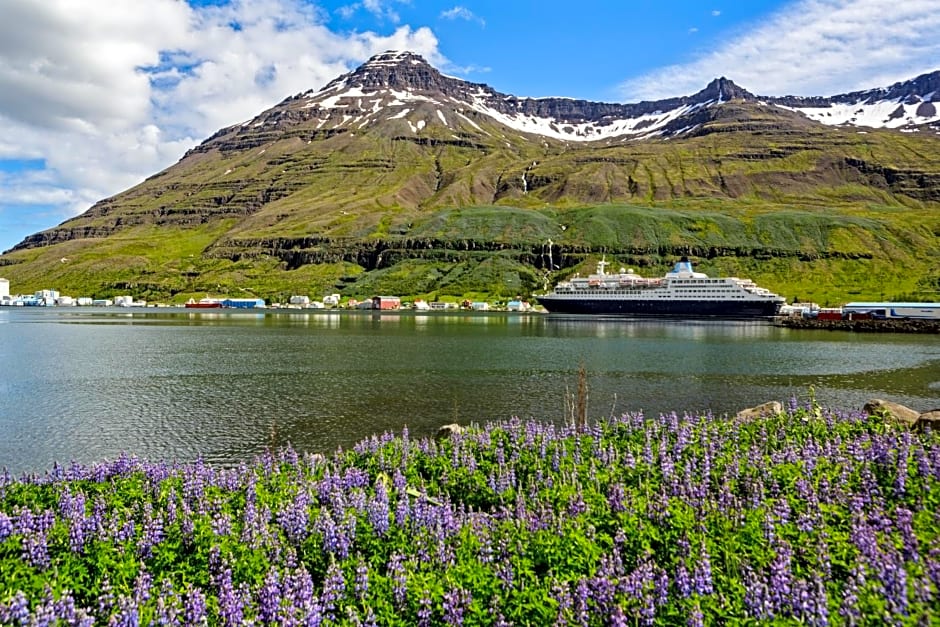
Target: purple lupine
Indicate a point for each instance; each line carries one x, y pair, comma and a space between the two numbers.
105, 598
361, 584
683, 580
167, 606
454, 604
820, 603
576, 504
294, 518
397, 573
142, 585
561, 592
901, 472
580, 603
781, 577
221, 524
702, 574
615, 498
893, 576
17, 611
194, 607
35, 548
932, 565
269, 597
152, 533
6, 526
403, 510
696, 619
378, 509
128, 613
424, 609
299, 599
126, 532
905, 525
603, 585
757, 600
231, 607
334, 590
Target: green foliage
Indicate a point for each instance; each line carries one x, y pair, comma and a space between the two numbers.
787, 518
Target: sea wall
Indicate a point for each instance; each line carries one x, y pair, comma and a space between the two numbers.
893, 325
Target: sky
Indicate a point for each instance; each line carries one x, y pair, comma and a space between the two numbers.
96, 96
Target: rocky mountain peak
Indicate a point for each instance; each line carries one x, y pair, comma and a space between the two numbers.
400, 92
722, 90
400, 71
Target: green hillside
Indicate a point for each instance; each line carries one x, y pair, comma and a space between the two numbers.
811, 212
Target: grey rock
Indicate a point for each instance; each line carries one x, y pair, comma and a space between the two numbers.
929, 419
769, 408
449, 431
891, 411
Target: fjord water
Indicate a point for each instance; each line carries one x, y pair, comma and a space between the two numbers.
91, 384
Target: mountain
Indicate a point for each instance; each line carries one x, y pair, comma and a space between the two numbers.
396, 178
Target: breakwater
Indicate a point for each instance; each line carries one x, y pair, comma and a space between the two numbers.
870, 325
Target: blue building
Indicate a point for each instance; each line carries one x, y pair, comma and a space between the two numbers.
244, 303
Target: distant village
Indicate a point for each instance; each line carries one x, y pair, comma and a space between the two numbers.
798, 311
52, 298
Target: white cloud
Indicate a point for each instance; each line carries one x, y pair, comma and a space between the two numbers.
380, 9
108, 93
812, 48
462, 13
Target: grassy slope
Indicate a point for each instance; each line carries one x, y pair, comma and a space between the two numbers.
774, 204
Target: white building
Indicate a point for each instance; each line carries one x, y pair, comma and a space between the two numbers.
47, 297
4, 287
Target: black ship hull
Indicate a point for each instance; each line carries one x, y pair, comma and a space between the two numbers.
667, 308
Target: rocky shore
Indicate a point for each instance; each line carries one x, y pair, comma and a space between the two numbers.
893, 325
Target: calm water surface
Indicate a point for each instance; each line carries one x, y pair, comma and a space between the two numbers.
88, 384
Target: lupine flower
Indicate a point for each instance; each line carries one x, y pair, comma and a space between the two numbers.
17, 611
424, 611
702, 574
6, 526
269, 598
397, 574
231, 607
686, 477
379, 510
194, 608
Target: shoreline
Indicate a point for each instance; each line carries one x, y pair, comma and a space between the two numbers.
870, 325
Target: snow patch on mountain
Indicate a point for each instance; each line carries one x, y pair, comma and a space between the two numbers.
893, 114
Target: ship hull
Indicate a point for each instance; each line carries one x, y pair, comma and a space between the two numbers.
660, 307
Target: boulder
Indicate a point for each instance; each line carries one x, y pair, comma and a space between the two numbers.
929, 420
449, 431
893, 411
770, 408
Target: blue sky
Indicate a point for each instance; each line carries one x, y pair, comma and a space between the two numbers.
96, 96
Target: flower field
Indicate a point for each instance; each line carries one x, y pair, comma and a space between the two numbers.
806, 517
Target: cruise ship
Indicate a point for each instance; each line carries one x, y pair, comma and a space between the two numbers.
680, 293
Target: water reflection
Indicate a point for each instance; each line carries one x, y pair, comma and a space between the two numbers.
223, 386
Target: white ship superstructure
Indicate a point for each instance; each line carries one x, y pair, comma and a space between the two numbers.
681, 292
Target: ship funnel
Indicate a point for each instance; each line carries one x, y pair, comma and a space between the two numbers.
683, 266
